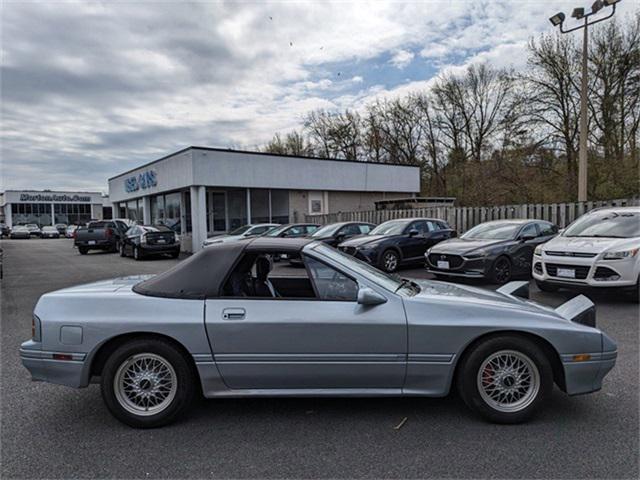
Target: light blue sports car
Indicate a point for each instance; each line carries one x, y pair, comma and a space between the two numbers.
225, 324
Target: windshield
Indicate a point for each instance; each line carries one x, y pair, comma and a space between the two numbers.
327, 230
606, 224
493, 231
277, 231
392, 227
393, 283
239, 231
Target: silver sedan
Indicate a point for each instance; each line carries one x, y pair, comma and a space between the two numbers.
226, 323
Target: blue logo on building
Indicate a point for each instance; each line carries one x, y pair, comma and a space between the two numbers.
143, 180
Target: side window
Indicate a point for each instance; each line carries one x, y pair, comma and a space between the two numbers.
529, 231
293, 231
420, 226
132, 231
433, 226
547, 229
311, 228
349, 230
331, 284
365, 228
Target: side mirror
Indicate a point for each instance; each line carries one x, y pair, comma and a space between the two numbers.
413, 232
367, 296
526, 238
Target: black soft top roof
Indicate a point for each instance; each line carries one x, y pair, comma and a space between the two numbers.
202, 275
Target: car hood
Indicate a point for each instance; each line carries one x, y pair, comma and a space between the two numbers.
463, 295
103, 286
590, 244
365, 240
223, 239
464, 245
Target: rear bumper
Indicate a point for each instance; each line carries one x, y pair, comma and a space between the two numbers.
98, 245
586, 377
44, 367
167, 248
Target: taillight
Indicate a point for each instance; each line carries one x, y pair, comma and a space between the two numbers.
109, 233
36, 329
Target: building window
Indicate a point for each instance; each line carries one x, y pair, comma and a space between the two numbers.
259, 206
280, 206
172, 211
237, 207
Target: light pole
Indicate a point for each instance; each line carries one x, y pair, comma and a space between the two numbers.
558, 20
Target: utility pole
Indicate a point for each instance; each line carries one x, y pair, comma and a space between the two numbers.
558, 19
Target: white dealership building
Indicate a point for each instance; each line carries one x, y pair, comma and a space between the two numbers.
200, 191
48, 207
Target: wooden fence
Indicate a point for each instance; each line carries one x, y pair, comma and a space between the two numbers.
464, 218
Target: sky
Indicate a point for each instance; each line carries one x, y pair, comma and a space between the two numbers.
91, 89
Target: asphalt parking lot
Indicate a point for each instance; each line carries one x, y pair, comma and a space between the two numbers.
52, 431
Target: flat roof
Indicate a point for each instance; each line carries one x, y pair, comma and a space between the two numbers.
251, 152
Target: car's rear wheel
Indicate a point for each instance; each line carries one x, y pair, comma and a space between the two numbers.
501, 270
147, 383
546, 287
175, 254
83, 250
123, 252
505, 379
389, 261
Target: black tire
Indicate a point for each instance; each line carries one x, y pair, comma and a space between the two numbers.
116, 247
123, 253
389, 261
546, 287
137, 254
501, 270
185, 382
634, 294
175, 254
83, 250
471, 364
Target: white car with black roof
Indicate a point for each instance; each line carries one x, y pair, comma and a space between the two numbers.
600, 249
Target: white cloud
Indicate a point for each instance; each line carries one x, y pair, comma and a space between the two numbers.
401, 58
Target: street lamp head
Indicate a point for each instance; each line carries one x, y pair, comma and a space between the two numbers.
578, 13
597, 6
557, 19
608, 3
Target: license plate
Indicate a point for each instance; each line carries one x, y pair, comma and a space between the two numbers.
443, 264
91, 242
284, 256
567, 272
162, 240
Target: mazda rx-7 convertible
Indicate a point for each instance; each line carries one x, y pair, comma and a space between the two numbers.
226, 323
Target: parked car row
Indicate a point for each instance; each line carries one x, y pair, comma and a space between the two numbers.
34, 230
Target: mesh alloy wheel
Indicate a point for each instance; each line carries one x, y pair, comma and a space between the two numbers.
508, 381
145, 384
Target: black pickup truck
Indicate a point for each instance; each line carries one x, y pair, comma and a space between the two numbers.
100, 235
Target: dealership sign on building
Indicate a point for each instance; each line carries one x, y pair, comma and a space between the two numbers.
52, 197
143, 180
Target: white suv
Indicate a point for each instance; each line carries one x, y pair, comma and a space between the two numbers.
600, 249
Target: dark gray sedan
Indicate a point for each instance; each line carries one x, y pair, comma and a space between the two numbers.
497, 251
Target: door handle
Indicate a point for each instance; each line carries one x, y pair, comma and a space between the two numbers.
233, 313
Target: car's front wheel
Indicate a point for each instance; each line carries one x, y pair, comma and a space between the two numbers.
390, 261
505, 379
137, 254
501, 270
147, 383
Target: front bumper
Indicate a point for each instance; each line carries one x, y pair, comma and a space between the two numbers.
586, 377
459, 266
45, 366
589, 272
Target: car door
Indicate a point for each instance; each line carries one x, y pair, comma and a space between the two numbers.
414, 246
329, 341
345, 233
129, 235
526, 242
